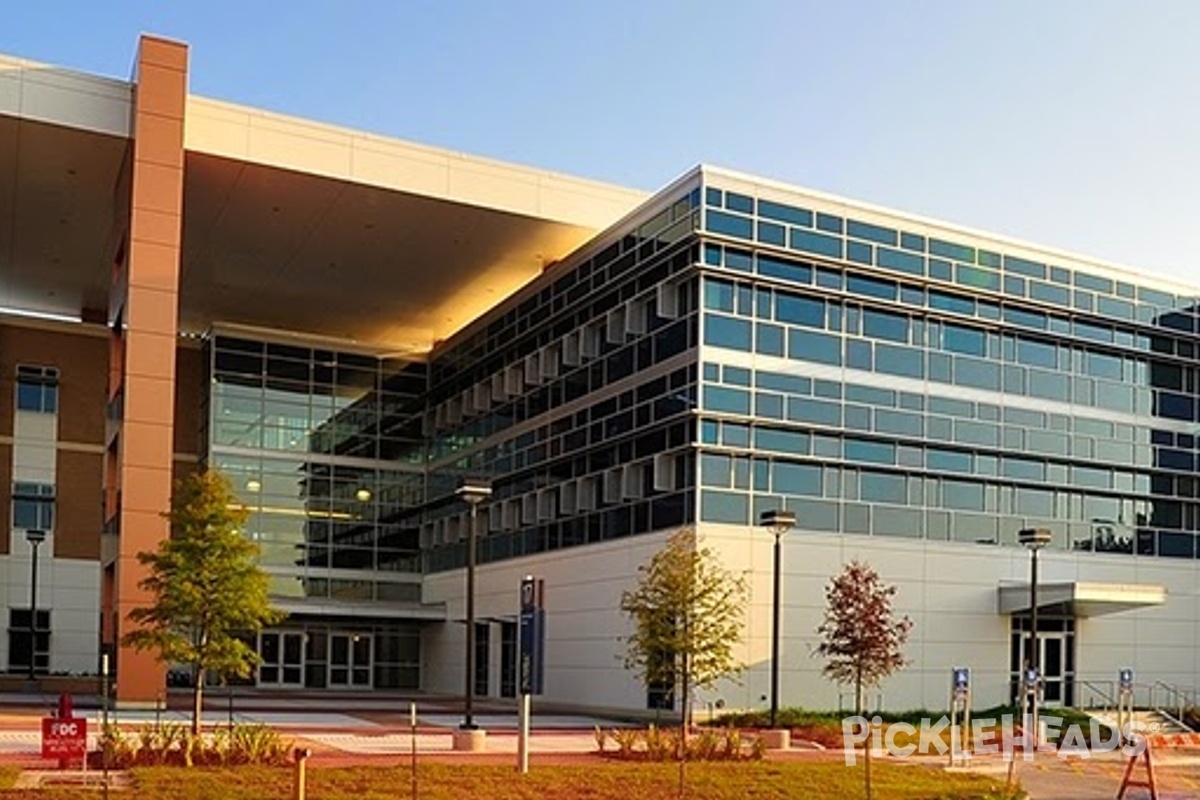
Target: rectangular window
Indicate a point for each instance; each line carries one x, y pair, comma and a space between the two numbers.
37, 389
729, 224
800, 310
24, 643
817, 243
885, 325
33, 506
796, 216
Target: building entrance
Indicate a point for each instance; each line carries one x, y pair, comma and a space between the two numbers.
282, 654
350, 660
1056, 657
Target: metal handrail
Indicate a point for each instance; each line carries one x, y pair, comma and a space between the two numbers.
1180, 696
1102, 688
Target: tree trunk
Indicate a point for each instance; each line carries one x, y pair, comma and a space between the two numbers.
197, 701
686, 722
860, 701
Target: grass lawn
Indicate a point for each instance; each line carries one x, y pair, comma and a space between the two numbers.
603, 781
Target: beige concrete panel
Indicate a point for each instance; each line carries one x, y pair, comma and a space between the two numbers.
323, 156
5, 496
72, 99
146, 445
216, 128
10, 91
157, 187
144, 489
149, 399
485, 185
388, 169
151, 311
154, 266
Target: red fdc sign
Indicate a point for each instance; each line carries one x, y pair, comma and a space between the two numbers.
64, 737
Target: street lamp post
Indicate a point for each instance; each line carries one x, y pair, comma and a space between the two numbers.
34, 537
778, 523
1034, 539
472, 492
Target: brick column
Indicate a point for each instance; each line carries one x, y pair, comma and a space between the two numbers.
145, 310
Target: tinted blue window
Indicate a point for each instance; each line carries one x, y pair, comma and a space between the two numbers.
859, 252
957, 252
1022, 266
1103, 366
1014, 286
796, 479
739, 260
828, 222
989, 259
957, 303
728, 332
947, 460
1049, 293
781, 441
1176, 406
1060, 275
885, 325
718, 295
979, 278
880, 487
870, 451
905, 361
735, 435
739, 202
1112, 307
829, 278
1094, 282
770, 339
731, 401
737, 376
1037, 354
729, 225
784, 270
792, 384
962, 495
820, 412
712, 254
715, 469
859, 354
941, 270
768, 405
819, 347
961, 339
901, 261
975, 373
1088, 330
899, 422
910, 241
873, 233
800, 310
816, 243
1026, 319
725, 507
796, 216
939, 368
871, 287
713, 197
771, 233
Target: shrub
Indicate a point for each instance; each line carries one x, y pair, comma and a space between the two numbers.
662, 744
174, 744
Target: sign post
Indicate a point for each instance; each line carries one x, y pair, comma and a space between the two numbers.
1125, 702
960, 714
531, 672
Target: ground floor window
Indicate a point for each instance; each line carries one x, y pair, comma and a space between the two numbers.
325, 656
508, 659
483, 647
26, 641
1056, 657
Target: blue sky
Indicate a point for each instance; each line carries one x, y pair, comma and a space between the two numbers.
1072, 123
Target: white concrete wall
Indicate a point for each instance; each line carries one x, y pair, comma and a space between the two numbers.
948, 589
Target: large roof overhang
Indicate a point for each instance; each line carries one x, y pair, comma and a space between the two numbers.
288, 224
1078, 599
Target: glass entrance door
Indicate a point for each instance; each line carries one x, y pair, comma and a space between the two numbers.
282, 654
1056, 658
350, 660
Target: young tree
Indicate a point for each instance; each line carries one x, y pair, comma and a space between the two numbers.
860, 640
207, 588
688, 616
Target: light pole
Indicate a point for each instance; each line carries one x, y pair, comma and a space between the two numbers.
1034, 539
778, 523
472, 492
34, 537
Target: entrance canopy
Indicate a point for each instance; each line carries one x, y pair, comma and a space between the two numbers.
1076, 599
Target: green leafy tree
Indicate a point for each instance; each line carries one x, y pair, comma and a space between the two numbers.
207, 589
861, 640
688, 614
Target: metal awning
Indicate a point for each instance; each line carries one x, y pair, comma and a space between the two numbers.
1078, 599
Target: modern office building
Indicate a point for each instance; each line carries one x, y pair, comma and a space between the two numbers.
348, 326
